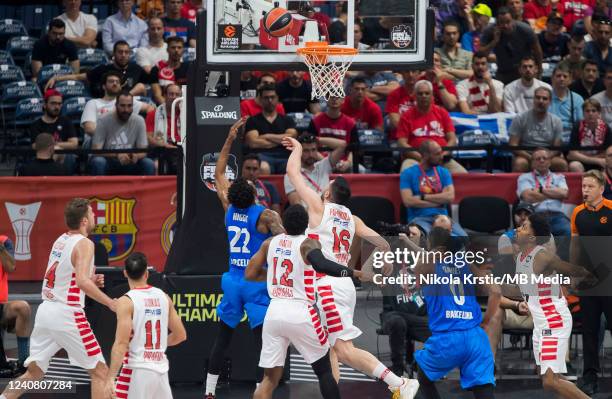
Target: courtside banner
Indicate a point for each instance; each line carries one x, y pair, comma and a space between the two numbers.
132, 214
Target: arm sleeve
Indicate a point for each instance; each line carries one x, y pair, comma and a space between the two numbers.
323, 265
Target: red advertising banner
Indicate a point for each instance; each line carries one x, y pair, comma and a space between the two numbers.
133, 213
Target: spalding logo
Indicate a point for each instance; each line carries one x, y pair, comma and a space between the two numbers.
207, 169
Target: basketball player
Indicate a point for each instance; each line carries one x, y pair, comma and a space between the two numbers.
248, 225
332, 223
552, 320
291, 317
455, 318
144, 316
60, 321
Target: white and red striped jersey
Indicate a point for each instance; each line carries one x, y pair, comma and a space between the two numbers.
59, 284
335, 233
546, 302
289, 277
149, 340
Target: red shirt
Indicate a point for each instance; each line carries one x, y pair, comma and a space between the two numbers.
533, 10
398, 101
189, 11
339, 128
450, 87
368, 116
150, 121
417, 127
573, 10
251, 108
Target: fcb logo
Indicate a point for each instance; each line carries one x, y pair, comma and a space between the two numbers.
401, 36
603, 220
115, 227
207, 169
167, 232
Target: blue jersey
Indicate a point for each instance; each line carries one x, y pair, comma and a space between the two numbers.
451, 306
244, 239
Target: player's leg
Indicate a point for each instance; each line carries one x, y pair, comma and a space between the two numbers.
327, 384
427, 387
257, 332
18, 314
98, 378
215, 361
16, 387
256, 303
494, 329
269, 383
486, 391
551, 381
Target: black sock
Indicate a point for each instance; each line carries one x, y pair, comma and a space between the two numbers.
483, 391
222, 342
427, 387
327, 385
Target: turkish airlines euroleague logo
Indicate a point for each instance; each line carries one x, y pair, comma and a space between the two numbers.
229, 31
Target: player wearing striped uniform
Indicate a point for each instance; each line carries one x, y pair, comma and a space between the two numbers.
552, 320
144, 316
332, 223
60, 321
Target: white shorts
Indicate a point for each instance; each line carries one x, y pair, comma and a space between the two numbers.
336, 301
291, 322
142, 384
58, 326
550, 353
551, 335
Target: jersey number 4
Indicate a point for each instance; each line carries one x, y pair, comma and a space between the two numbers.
149, 334
341, 239
284, 279
50, 276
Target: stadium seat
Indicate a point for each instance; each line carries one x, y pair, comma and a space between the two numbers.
36, 17
372, 210
71, 88
91, 57
146, 100
19, 47
12, 93
302, 120
27, 111
10, 73
10, 28
371, 138
6, 58
48, 71
101, 11
73, 108
7, 12
472, 209
475, 138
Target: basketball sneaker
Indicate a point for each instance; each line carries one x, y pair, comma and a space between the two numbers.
405, 391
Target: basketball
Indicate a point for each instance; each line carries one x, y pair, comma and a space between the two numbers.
278, 22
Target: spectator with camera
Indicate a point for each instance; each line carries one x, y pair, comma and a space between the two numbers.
426, 121
593, 131
427, 188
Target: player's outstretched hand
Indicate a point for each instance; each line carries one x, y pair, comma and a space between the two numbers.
233, 131
109, 389
523, 308
291, 144
98, 279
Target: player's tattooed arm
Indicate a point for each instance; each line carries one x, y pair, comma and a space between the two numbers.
178, 333
294, 172
125, 309
221, 182
82, 258
255, 269
270, 222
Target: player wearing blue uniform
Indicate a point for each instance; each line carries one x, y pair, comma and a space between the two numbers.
248, 225
455, 319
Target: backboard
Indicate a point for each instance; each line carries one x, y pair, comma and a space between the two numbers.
393, 33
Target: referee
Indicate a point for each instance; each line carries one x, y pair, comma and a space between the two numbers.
591, 225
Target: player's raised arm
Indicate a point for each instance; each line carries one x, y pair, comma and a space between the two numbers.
255, 269
313, 201
492, 291
272, 222
221, 182
178, 333
366, 233
546, 261
82, 258
125, 309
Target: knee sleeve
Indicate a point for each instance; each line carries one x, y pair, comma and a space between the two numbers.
222, 342
483, 391
327, 384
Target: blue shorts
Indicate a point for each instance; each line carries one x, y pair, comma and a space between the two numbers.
240, 295
467, 350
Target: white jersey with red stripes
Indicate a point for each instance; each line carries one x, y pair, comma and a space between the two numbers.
335, 233
546, 302
289, 277
148, 344
59, 284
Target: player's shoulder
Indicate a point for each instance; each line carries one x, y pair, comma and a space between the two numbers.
578, 209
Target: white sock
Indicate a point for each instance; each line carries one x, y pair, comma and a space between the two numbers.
211, 384
383, 373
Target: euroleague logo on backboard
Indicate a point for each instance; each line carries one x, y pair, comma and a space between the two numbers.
207, 169
230, 31
401, 36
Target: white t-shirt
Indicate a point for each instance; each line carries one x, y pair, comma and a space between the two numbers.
519, 98
150, 56
97, 107
77, 28
318, 178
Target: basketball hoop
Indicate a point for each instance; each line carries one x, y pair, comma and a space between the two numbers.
327, 66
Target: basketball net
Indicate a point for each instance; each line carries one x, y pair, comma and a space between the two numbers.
327, 66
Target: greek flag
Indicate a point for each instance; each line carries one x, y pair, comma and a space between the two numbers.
498, 123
